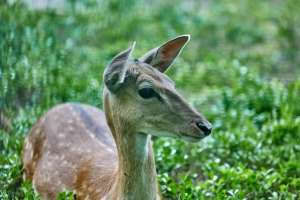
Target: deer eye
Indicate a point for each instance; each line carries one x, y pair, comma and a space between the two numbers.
147, 93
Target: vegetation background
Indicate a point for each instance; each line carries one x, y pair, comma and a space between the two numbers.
241, 69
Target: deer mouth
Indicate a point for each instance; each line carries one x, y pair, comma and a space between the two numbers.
191, 138
195, 132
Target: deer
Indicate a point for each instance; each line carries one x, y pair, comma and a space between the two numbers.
108, 154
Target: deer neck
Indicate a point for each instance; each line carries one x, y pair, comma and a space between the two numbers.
136, 175
136, 178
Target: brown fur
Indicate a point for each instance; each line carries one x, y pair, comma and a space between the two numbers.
70, 157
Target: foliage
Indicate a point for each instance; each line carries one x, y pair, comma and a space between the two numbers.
240, 70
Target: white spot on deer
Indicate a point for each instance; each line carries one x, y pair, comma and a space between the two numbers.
65, 162
73, 149
98, 191
33, 163
75, 178
60, 144
91, 134
27, 143
79, 193
56, 157
61, 135
48, 164
31, 153
38, 131
90, 189
59, 183
70, 128
34, 185
62, 157
48, 178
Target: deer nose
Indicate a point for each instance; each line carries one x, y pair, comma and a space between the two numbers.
206, 129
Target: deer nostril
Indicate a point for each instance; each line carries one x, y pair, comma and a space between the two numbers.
206, 129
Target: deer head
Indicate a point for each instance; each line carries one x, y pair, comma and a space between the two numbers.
139, 95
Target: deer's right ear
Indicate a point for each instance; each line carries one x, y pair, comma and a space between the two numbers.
163, 56
115, 72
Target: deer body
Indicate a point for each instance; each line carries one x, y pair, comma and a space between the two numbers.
108, 155
82, 156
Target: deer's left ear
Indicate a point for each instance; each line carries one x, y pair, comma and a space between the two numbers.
163, 56
115, 72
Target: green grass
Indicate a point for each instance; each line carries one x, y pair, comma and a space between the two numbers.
241, 70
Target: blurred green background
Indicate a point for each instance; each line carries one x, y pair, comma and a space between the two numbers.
241, 69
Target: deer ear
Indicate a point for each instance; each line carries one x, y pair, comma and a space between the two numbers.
115, 71
162, 57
